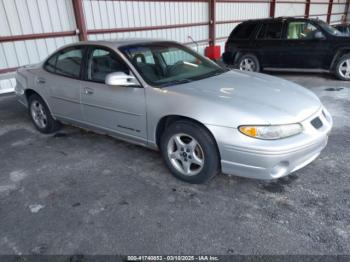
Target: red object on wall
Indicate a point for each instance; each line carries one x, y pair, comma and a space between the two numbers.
212, 52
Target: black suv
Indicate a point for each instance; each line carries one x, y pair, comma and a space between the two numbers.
344, 28
288, 43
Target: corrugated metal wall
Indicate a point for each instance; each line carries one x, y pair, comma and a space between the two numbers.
7, 85
19, 17
317, 9
338, 11
226, 12
290, 9
25, 17
127, 14
175, 20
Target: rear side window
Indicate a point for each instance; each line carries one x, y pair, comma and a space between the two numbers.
270, 31
243, 31
66, 62
69, 62
50, 65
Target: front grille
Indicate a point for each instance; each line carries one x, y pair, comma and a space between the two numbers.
317, 123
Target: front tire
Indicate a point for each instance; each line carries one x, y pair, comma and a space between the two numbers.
342, 68
249, 62
41, 116
190, 152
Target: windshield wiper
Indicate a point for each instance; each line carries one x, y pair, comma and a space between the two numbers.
187, 80
217, 72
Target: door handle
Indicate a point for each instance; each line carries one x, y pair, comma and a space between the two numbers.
40, 80
88, 91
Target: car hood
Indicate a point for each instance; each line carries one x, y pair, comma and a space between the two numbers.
263, 98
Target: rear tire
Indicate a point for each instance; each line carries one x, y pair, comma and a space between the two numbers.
342, 68
248, 62
41, 115
190, 152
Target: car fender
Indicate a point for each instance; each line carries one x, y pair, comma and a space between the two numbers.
163, 102
340, 52
28, 82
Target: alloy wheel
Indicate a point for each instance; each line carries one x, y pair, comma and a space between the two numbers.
247, 64
185, 154
38, 114
344, 69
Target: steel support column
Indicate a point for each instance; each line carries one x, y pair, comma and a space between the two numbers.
329, 12
80, 19
272, 8
307, 9
212, 22
347, 10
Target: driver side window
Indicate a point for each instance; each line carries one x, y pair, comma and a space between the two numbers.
102, 62
301, 30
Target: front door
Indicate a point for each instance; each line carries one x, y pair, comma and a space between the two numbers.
119, 109
303, 48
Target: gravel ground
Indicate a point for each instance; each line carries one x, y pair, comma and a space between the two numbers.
79, 192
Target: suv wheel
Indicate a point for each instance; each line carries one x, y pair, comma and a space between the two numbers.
190, 152
342, 68
41, 116
249, 62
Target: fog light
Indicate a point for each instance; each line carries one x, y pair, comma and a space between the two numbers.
280, 169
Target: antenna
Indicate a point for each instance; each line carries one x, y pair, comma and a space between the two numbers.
191, 38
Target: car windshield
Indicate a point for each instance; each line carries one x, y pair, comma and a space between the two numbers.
166, 63
329, 29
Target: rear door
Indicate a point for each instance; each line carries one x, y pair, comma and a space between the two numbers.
303, 49
62, 78
269, 44
119, 109
239, 39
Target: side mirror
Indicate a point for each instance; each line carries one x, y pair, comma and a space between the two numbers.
121, 79
319, 35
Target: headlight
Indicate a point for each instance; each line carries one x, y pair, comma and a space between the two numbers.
271, 132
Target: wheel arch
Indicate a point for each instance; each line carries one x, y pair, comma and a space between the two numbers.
242, 53
338, 55
167, 120
29, 92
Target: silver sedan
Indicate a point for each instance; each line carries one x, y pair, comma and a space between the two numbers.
204, 119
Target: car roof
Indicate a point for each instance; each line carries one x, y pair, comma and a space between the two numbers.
115, 43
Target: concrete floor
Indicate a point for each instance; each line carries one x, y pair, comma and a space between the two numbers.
79, 192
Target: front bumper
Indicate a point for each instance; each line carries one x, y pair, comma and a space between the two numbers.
271, 159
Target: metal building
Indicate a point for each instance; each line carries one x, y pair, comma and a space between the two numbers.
31, 29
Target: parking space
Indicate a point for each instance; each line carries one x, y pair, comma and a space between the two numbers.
80, 192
